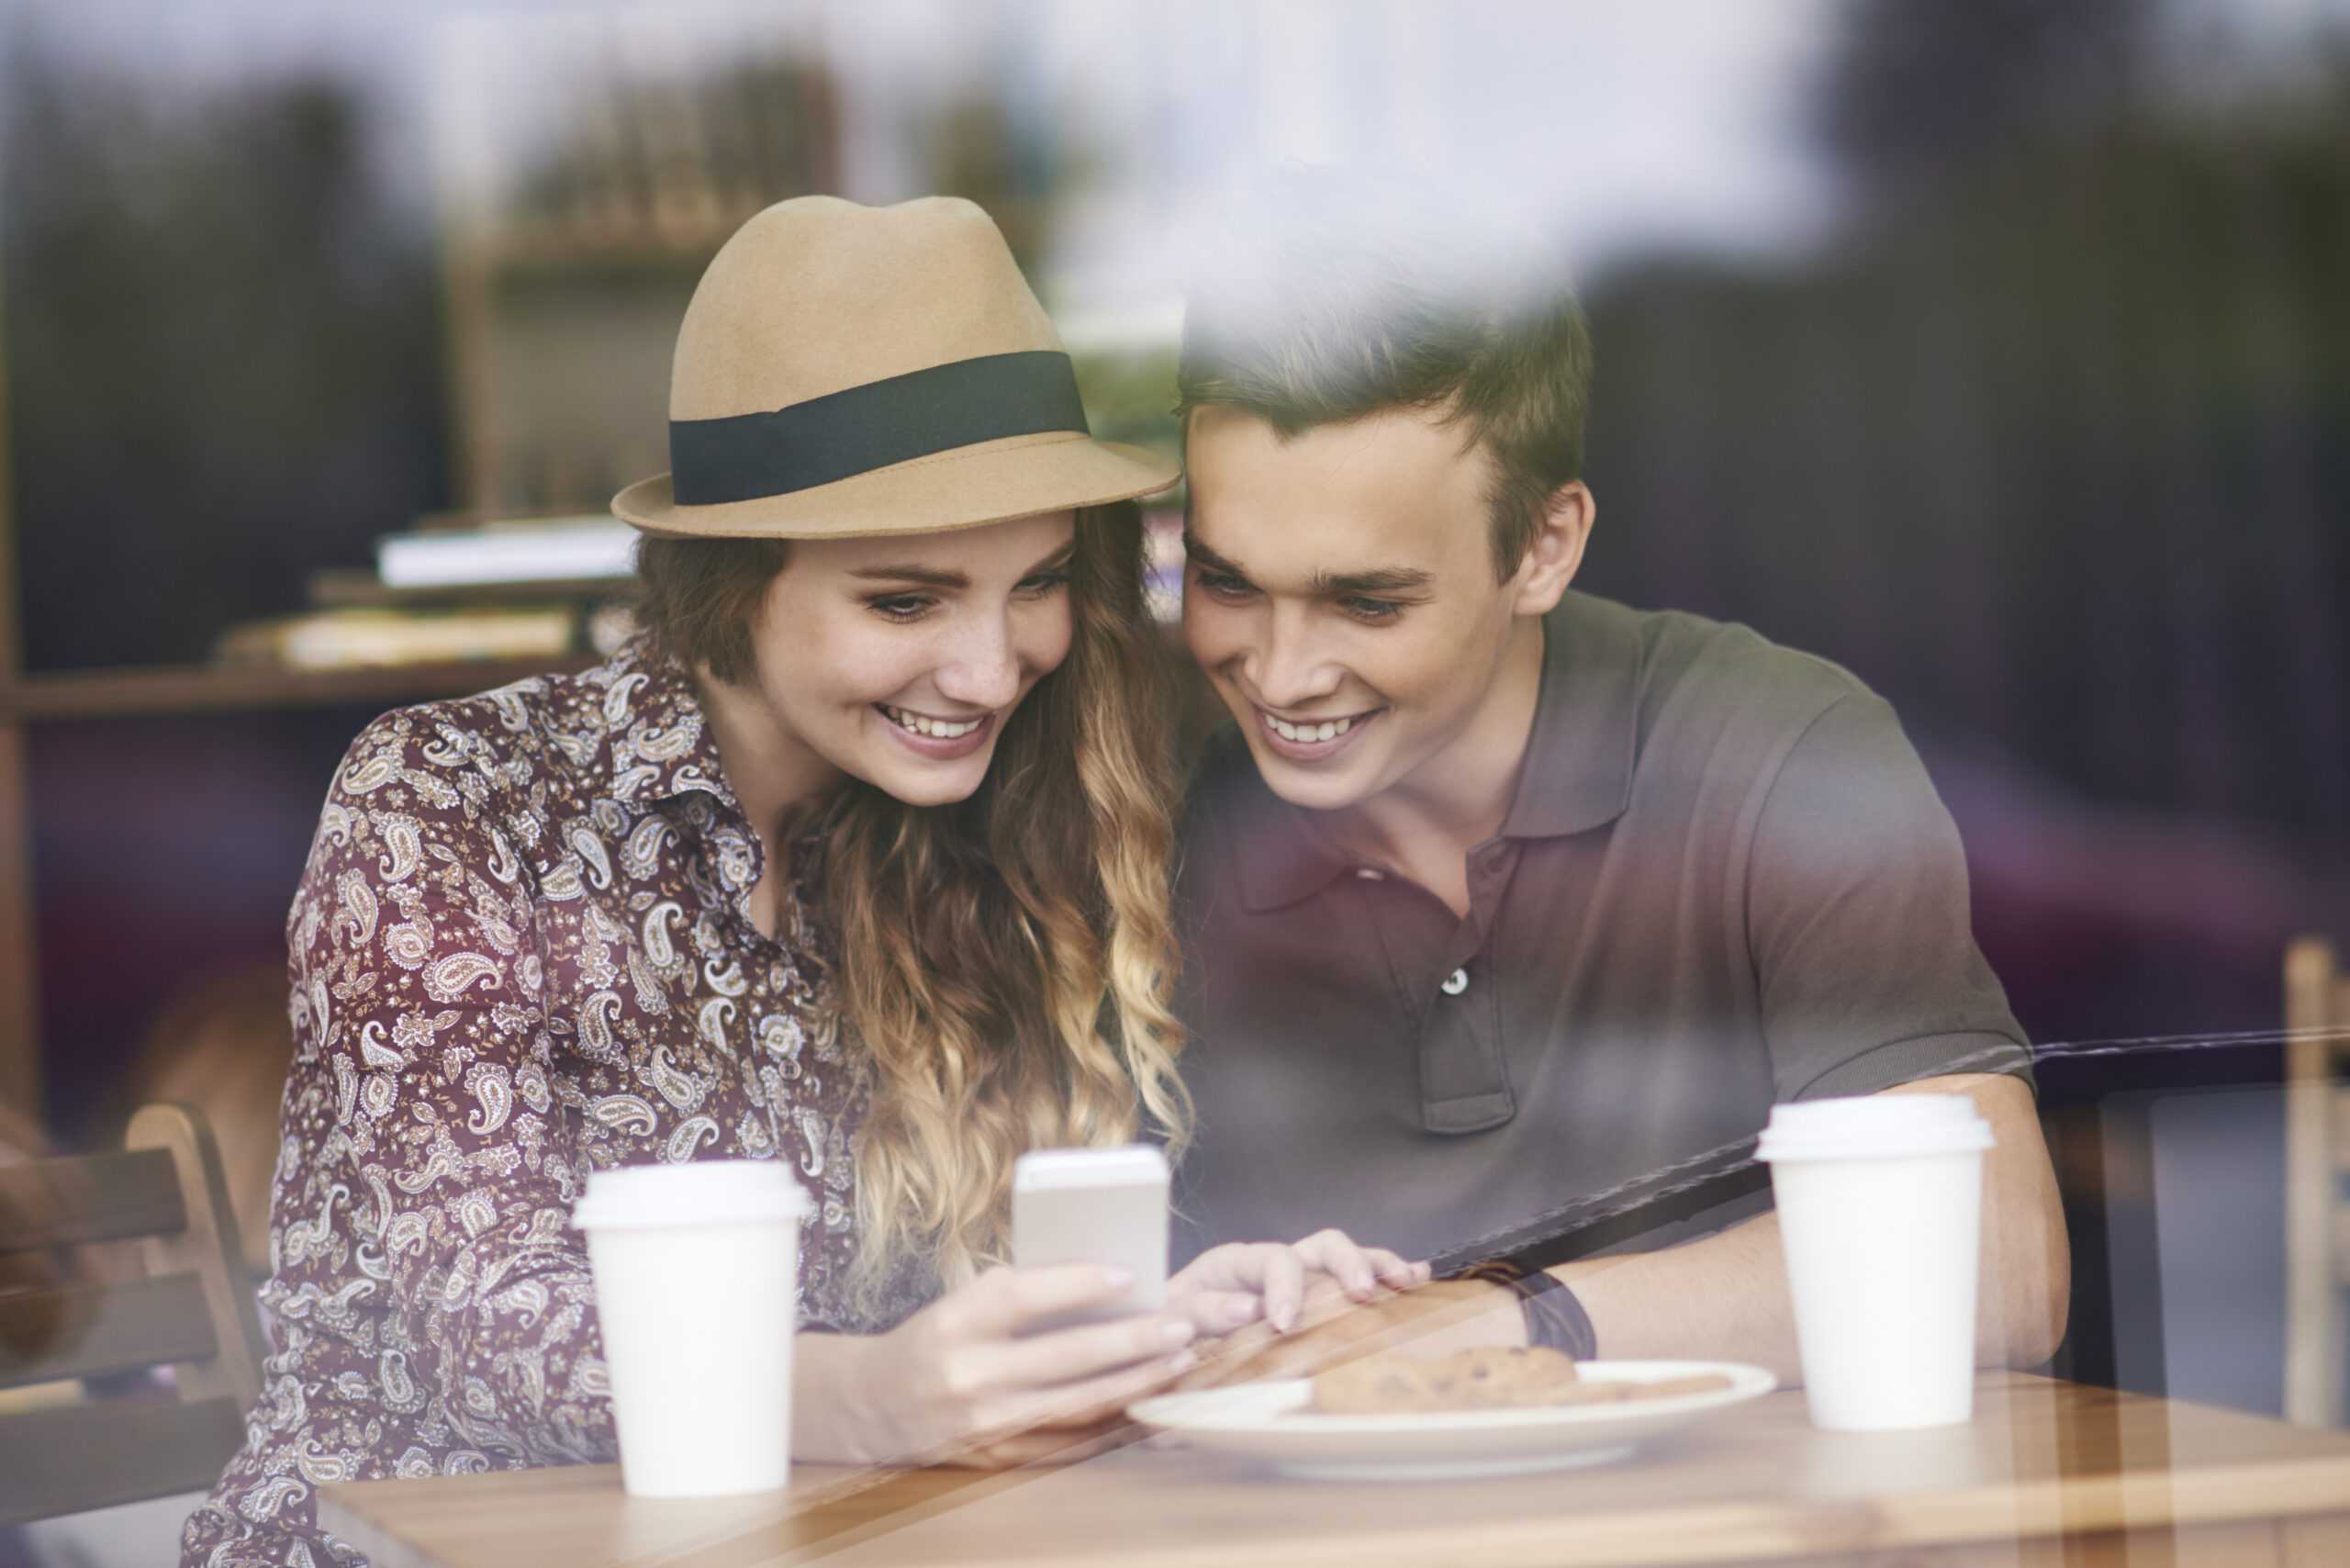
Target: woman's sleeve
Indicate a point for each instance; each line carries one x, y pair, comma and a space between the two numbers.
421, 976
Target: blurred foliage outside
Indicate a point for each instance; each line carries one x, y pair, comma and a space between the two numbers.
2061, 455
223, 359
1131, 396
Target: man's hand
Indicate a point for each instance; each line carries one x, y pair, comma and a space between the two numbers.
1430, 1319
1242, 1283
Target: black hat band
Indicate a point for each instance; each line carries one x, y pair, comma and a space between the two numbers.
843, 434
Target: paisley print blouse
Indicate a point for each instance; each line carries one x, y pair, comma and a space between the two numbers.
519, 953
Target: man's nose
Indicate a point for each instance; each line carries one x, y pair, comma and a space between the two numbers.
980, 667
1289, 669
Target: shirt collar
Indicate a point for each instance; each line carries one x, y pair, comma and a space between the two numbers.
1578, 770
1283, 855
1577, 773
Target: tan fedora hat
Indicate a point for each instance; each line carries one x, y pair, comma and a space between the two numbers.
849, 370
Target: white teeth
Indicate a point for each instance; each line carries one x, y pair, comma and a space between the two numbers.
1328, 730
938, 728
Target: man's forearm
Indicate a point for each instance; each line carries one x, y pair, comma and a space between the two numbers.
1726, 1296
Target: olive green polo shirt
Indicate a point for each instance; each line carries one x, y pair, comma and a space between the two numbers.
1724, 880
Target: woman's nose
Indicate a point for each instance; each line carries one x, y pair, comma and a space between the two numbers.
982, 668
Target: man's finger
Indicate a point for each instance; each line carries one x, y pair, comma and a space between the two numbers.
1235, 1265
1220, 1311
1283, 1288
1335, 1253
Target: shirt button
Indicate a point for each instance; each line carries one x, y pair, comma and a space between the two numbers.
1456, 983
1370, 873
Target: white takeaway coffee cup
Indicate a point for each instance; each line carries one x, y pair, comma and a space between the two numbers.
1880, 1202
696, 1272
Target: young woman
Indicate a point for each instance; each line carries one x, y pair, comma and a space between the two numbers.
856, 859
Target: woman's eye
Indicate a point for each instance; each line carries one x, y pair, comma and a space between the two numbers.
899, 607
1045, 583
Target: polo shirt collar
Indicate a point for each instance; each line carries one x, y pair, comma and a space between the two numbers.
1283, 856
1577, 773
1578, 770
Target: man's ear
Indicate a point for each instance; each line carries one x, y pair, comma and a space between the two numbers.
1557, 553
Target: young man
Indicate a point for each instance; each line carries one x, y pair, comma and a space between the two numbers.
1507, 908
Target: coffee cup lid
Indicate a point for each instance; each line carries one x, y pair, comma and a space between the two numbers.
1875, 1126
699, 1191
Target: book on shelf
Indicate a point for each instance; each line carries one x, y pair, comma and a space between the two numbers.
365, 638
575, 549
458, 589
358, 587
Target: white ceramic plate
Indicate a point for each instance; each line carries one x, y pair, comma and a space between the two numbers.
1267, 1421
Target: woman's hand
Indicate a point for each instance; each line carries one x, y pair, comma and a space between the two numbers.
959, 1382
962, 1381
1247, 1282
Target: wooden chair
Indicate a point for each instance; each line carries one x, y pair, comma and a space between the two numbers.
190, 1306
2317, 1156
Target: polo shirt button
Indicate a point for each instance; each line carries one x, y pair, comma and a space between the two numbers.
1456, 983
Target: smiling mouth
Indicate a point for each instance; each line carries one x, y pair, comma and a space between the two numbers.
1329, 729
1312, 732
935, 729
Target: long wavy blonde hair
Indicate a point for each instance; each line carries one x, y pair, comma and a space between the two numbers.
1008, 959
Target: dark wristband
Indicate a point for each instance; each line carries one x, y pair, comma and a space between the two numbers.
1554, 1318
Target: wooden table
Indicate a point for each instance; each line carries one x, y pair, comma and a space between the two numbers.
2050, 1475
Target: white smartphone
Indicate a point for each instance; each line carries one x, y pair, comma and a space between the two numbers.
1094, 1205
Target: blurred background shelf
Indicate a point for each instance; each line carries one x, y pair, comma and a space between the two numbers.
156, 690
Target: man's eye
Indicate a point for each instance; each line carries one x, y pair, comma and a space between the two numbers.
1221, 584
1371, 609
